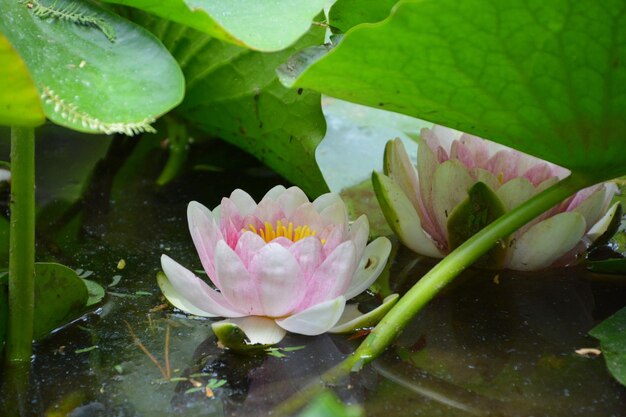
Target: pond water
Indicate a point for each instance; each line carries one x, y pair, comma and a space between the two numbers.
490, 344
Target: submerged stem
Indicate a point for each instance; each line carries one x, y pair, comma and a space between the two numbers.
22, 245
433, 282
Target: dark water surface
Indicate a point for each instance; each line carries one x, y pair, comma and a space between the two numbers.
490, 344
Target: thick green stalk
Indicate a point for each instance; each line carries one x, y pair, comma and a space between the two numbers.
452, 265
430, 284
179, 150
22, 245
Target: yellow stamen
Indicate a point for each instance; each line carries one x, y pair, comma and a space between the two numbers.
270, 232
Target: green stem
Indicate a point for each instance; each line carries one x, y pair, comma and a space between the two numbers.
430, 284
22, 245
452, 265
179, 150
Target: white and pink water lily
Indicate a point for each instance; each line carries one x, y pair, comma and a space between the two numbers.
418, 203
283, 265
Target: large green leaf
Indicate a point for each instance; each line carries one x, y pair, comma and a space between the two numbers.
546, 77
268, 25
612, 336
60, 295
95, 71
234, 93
348, 13
19, 101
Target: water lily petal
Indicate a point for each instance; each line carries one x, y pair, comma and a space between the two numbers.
177, 300
308, 253
274, 193
237, 286
243, 201
450, 185
539, 173
230, 214
515, 192
478, 148
205, 234
603, 224
269, 211
446, 136
402, 217
592, 208
359, 233
278, 278
316, 319
335, 214
332, 277
546, 241
306, 214
400, 169
426, 166
486, 177
326, 200
373, 262
291, 199
248, 245
333, 236
191, 288
258, 330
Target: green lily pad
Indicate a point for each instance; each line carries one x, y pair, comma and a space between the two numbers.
19, 100
481, 207
262, 25
612, 336
544, 77
60, 296
95, 72
230, 336
353, 320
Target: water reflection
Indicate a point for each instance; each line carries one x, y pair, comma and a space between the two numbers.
488, 345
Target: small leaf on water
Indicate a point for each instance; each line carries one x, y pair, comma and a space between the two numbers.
95, 290
115, 280
612, 336
60, 296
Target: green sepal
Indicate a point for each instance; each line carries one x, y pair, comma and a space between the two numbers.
230, 336
350, 323
481, 207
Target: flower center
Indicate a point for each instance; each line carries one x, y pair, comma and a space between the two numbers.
270, 232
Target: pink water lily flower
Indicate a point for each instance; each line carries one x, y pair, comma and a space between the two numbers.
284, 264
419, 202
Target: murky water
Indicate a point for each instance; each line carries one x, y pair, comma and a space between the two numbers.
490, 344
